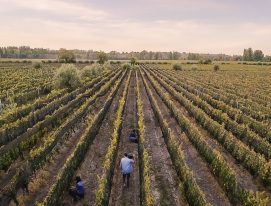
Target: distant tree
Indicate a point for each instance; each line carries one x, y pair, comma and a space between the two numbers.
66, 56
258, 55
67, 76
192, 56
248, 55
102, 57
177, 67
175, 55
133, 61
208, 61
216, 67
267, 58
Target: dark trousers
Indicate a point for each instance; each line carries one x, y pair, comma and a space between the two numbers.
76, 196
126, 177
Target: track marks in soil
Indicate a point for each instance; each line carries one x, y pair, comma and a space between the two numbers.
122, 195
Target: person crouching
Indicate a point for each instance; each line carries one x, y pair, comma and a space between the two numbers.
78, 191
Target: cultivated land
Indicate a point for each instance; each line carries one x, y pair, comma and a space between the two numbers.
204, 136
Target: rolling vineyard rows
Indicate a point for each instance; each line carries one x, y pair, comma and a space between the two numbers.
201, 141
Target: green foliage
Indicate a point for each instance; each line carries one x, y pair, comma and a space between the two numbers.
102, 57
126, 66
177, 67
189, 186
37, 65
105, 180
258, 55
133, 61
67, 76
216, 67
92, 71
220, 167
148, 199
66, 56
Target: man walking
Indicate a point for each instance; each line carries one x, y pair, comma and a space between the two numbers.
126, 167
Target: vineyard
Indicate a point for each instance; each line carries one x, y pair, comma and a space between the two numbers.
204, 136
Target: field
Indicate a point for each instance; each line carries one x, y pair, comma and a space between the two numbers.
204, 136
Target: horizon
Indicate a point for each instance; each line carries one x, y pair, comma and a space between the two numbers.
208, 27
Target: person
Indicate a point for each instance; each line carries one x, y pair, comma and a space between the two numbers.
78, 191
126, 167
133, 136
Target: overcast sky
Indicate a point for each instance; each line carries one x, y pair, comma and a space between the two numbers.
207, 26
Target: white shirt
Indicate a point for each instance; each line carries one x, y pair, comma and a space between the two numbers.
126, 165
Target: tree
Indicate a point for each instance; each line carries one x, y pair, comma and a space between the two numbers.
66, 56
67, 77
177, 67
216, 68
89, 72
102, 57
126, 66
258, 55
248, 54
133, 61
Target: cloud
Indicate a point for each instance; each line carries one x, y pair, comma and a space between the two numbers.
195, 26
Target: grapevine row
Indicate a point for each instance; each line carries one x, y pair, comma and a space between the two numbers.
104, 182
10, 131
147, 196
189, 186
40, 155
254, 162
74, 160
235, 114
220, 168
241, 131
11, 151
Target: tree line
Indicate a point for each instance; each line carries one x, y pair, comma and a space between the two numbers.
257, 55
26, 52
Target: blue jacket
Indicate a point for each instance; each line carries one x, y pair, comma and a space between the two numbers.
80, 187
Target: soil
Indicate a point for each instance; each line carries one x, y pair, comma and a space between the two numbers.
5, 177
197, 165
244, 178
91, 167
120, 194
44, 178
164, 179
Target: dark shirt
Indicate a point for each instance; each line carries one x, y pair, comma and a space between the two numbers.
132, 137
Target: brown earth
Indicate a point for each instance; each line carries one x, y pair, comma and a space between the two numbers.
91, 167
197, 165
164, 180
44, 178
121, 195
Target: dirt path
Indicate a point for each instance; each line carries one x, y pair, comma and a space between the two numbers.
200, 169
244, 178
45, 177
92, 164
164, 180
120, 195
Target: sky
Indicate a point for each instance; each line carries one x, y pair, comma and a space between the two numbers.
203, 26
